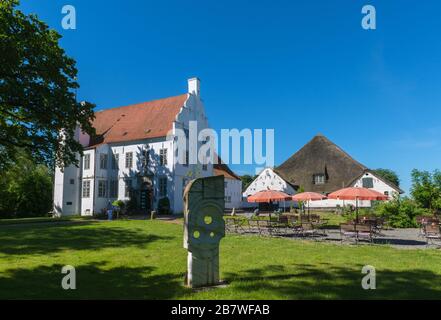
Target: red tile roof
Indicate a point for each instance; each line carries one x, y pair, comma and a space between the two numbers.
151, 119
221, 169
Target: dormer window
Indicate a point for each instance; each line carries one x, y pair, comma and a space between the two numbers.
319, 178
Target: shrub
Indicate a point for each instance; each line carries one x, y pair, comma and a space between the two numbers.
164, 206
400, 213
25, 189
131, 205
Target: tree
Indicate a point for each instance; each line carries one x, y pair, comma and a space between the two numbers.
37, 92
25, 188
389, 175
246, 181
426, 189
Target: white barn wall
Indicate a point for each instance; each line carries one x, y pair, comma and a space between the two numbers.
267, 180
233, 190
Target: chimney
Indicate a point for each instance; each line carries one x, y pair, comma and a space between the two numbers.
194, 86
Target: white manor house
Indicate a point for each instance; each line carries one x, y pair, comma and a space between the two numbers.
132, 155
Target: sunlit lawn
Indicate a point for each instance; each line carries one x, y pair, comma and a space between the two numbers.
145, 260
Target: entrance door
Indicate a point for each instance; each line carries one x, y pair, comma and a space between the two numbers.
146, 200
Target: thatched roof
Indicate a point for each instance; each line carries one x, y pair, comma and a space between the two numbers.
321, 156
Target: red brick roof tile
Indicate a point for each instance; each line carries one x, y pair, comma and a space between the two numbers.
151, 119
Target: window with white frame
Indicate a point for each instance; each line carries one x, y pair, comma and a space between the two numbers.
87, 161
103, 161
162, 186
319, 178
128, 187
86, 189
113, 192
187, 158
163, 157
129, 159
102, 188
115, 161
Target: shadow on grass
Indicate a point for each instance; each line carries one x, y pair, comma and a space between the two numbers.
93, 281
46, 239
328, 282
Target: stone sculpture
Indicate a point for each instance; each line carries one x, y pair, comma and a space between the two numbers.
204, 227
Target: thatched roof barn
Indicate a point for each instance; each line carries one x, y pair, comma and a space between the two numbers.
321, 166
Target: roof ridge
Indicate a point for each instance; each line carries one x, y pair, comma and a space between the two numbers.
142, 103
343, 151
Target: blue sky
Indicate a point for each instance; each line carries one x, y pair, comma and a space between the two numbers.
300, 67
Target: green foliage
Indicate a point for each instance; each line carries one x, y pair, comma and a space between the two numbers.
426, 189
400, 212
131, 205
32, 255
37, 92
246, 181
164, 206
388, 175
119, 203
25, 189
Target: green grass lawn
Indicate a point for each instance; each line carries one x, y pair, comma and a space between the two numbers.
145, 260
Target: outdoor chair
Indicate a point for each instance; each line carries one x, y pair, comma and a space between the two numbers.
432, 232
271, 227
230, 225
238, 225
309, 229
347, 230
254, 226
364, 231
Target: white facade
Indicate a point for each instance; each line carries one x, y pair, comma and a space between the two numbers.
267, 180
233, 193
105, 172
367, 180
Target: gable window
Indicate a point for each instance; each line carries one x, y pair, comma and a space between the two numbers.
386, 193
86, 189
86, 161
368, 182
115, 161
102, 188
113, 189
163, 187
103, 161
129, 159
163, 157
319, 178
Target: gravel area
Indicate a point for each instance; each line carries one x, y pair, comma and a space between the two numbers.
398, 238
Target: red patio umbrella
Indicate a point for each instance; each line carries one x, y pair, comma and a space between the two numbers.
308, 196
268, 196
354, 193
